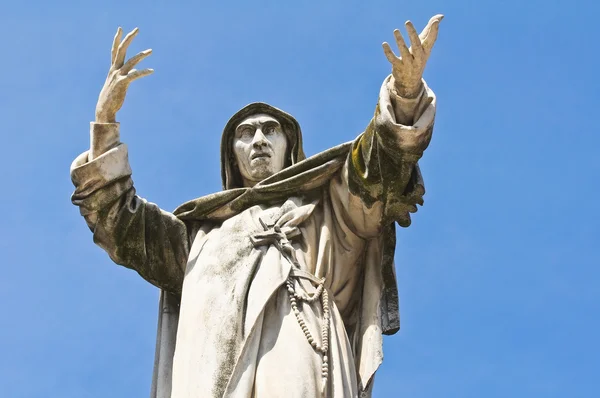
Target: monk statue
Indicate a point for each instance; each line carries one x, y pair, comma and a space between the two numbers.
283, 283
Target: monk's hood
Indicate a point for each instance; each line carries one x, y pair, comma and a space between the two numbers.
230, 174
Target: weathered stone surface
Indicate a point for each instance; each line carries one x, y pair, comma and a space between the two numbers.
283, 283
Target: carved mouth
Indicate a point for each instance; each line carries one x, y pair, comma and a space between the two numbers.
261, 155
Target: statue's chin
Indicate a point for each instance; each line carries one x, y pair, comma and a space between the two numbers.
261, 171
260, 168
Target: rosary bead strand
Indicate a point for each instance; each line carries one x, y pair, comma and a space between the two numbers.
322, 348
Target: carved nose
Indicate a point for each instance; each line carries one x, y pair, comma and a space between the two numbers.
259, 139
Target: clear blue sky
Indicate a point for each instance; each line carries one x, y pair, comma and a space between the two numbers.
499, 274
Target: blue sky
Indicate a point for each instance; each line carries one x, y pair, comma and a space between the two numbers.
499, 273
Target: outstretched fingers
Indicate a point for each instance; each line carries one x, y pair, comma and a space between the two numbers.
430, 33
389, 54
415, 42
135, 74
404, 52
133, 61
122, 49
115, 45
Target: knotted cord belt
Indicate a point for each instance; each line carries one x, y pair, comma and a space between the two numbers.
280, 239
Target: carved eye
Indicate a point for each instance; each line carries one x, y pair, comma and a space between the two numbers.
246, 132
271, 130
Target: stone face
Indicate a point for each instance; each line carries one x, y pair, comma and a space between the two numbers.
259, 146
283, 283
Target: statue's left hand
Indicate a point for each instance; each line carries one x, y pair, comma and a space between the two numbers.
407, 69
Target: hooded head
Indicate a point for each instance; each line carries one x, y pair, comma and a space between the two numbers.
230, 170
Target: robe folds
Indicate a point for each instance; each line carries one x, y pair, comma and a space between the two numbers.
226, 327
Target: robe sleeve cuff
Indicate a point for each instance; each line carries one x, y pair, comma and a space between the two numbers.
405, 109
102, 180
409, 139
103, 137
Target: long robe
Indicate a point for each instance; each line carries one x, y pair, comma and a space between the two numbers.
226, 326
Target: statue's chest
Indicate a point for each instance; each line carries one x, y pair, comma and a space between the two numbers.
232, 247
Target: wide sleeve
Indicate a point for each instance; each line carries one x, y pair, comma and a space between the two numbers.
381, 181
134, 232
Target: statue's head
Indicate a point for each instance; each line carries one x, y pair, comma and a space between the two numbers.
258, 141
259, 148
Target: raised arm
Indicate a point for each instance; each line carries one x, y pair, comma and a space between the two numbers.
381, 176
135, 233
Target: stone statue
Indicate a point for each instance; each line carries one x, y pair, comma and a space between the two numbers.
282, 284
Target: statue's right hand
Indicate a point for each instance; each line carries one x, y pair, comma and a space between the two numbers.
120, 75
